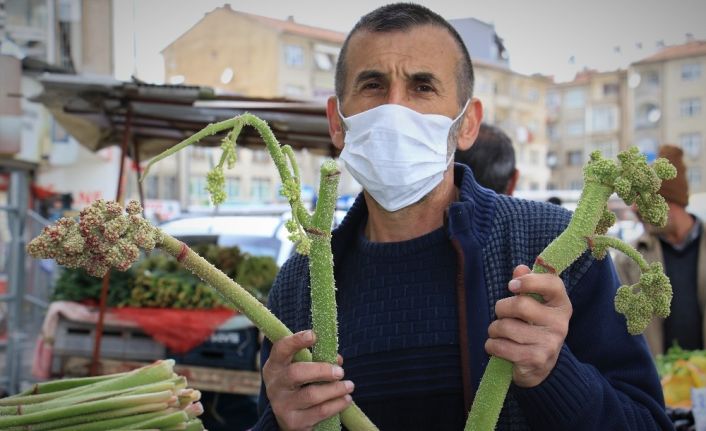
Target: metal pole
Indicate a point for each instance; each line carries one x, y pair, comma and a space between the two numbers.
95, 360
19, 188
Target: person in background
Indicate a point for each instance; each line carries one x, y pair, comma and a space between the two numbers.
681, 247
432, 269
555, 200
492, 160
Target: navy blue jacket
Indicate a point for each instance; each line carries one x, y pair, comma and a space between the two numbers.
604, 378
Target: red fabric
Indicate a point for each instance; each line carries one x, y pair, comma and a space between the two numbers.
179, 330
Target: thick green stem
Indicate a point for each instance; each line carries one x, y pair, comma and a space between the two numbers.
144, 411
231, 291
555, 258
85, 408
323, 291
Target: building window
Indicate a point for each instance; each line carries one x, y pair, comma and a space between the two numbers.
648, 115
652, 78
295, 91
575, 128
260, 156
553, 99
691, 71
693, 176
293, 55
605, 119
553, 132
576, 185
690, 107
691, 144
151, 187
198, 195
260, 189
169, 187
574, 158
552, 160
609, 148
324, 61
611, 89
232, 190
533, 95
575, 98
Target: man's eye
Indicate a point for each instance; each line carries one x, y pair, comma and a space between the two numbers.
424, 88
372, 86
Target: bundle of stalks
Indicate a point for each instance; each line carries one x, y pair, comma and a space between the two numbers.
149, 398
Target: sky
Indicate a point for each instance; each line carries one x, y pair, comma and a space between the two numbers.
541, 36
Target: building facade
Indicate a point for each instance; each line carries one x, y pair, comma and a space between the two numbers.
667, 98
584, 115
516, 104
252, 55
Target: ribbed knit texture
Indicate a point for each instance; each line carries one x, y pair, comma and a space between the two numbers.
604, 378
398, 315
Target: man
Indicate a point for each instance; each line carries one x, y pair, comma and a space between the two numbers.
492, 160
422, 264
681, 247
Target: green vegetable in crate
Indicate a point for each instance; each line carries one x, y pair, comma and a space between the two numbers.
258, 273
105, 238
74, 284
151, 397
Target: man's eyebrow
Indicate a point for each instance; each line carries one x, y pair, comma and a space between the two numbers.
368, 74
427, 77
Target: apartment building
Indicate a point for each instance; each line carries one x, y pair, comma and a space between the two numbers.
584, 115
253, 55
667, 97
516, 104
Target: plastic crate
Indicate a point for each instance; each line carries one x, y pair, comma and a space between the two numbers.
74, 338
225, 348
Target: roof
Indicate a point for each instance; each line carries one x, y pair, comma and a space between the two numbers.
694, 48
285, 26
96, 109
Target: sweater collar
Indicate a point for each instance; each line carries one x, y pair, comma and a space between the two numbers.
472, 212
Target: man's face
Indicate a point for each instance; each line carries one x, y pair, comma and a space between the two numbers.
416, 68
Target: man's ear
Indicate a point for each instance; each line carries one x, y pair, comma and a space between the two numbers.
471, 124
335, 128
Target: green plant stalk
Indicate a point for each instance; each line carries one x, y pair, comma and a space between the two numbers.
633, 180
61, 385
317, 229
558, 255
194, 425
95, 417
323, 293
85, 408
166, 421
153, 373
122, 422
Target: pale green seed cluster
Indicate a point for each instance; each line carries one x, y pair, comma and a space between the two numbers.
216, 185
639, 183
298, 236
103, 238
651, 296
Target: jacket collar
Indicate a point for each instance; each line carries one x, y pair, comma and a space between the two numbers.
472, 212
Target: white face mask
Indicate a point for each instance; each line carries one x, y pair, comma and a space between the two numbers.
397, 154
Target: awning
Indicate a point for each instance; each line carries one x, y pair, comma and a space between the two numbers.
95, 110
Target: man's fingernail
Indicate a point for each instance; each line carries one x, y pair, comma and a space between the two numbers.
348, 398
337, 372
308, 336
349, 385
514, 285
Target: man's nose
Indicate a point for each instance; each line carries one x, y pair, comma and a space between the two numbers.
396, 94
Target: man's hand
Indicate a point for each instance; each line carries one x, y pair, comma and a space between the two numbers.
303, 394
528, 333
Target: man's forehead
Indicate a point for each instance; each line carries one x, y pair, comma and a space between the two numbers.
419, 49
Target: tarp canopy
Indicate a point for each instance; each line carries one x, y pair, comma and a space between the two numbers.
95, 110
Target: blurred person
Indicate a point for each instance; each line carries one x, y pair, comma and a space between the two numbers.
431, 268
492, 160
681, 247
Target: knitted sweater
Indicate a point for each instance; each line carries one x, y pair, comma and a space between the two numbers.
604, 378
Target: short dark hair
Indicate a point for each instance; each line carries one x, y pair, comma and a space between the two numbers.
491, 158
401, 17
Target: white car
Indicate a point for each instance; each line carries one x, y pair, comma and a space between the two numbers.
258, 235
